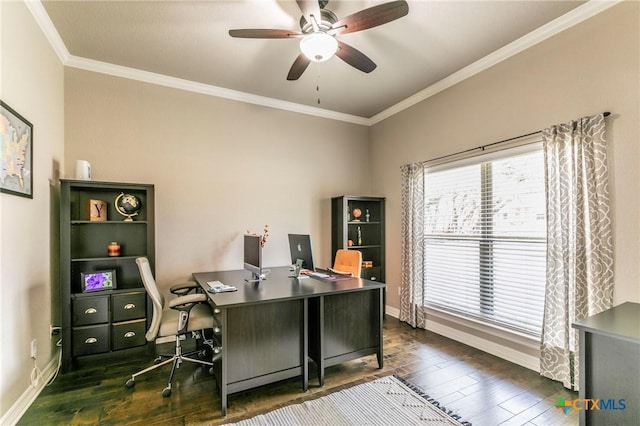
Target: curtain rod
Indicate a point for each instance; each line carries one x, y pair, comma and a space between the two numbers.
482, 147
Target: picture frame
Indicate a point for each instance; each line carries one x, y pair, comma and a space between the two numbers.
16, 139
98, 280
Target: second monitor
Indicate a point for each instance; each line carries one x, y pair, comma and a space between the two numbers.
300, 248
253, 257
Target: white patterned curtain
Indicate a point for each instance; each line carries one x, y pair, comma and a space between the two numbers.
579, 240
412, 282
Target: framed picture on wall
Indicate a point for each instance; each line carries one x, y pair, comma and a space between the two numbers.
16, 153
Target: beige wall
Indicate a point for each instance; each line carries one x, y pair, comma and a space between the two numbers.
31, 82
220, 167
590, 68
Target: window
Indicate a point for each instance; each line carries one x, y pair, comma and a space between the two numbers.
485, 238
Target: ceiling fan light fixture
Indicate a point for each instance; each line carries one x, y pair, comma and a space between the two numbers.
318, 46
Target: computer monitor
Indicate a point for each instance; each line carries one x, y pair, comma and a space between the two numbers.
300, 248
253, 257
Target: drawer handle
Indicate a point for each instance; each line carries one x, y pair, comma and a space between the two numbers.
89, 311
91, 340
129, 306
129, 334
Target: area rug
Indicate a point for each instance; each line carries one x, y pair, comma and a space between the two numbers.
385, 401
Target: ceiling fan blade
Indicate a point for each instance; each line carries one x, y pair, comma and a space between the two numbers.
355, 58
308, 8
372, 17
299, 66
264, 33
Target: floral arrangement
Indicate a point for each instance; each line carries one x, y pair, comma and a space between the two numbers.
265, 234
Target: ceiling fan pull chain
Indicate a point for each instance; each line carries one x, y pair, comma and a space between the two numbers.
318, 81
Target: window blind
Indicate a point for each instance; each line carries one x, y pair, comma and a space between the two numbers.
485, 239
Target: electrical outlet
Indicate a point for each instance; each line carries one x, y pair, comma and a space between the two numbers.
34, 348
53, 331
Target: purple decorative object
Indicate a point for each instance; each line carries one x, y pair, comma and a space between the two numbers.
99, 280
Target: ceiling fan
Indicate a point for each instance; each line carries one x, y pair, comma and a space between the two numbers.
319, 28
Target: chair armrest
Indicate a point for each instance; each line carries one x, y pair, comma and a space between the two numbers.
186, 302
184, 288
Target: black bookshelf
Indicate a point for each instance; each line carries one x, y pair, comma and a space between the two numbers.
109, 320
364, 233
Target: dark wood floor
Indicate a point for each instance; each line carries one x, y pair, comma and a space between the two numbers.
483, 389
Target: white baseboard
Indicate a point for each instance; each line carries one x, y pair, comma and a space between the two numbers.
391, 311
501, 351
509, 354
17, 410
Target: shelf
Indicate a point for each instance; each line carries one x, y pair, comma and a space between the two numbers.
84, 249
345, 229
107, 292
108, 222
100, 259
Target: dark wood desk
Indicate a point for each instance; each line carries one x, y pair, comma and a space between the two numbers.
267, 332
610, 365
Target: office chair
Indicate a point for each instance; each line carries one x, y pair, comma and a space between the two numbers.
189, 313
348, 261
185, 288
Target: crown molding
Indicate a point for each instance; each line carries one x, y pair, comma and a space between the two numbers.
568, 20
206, 89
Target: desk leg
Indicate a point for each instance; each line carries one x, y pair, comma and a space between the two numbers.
380, 319
304, 349
224, 361
321, 340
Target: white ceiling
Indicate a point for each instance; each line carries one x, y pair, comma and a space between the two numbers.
189, 41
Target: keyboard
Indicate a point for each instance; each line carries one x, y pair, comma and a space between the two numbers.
318, 275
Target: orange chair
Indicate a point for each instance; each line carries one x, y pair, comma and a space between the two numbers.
348, 261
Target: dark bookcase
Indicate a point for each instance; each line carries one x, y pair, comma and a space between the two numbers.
364, 233
109, 320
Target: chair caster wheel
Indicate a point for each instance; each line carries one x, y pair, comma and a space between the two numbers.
129, 383
166, 392
211, 371
158, 360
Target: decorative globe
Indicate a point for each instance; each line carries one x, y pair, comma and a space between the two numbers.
357, 213
128, 206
